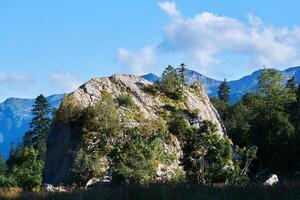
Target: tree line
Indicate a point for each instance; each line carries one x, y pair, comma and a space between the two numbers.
269, 119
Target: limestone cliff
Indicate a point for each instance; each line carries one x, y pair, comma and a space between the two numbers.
61, 142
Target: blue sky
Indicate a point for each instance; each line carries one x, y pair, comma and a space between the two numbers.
53, 46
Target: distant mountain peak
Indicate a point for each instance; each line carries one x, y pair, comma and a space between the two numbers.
15, 114
150, 77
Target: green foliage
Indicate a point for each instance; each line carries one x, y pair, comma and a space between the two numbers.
170, 83
224, 92
137, 159
221, 106
39, 125
152, 89
69, 110
26, 168
291, 107
182, 77
292, 85
263, 120
242, 159
3, 166
7, 181
179, 125
86, 166
100, 123
125, 100
206, 155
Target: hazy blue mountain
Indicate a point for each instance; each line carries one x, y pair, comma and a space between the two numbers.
238, 87
15, 114
151, 77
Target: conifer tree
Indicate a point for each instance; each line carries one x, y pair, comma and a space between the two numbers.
291, 84
224, 91
39, 125
3, 166
170, 83
182, 71
291, 107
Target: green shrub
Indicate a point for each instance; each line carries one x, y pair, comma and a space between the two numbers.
137, 160
27, 169
179, 125
7, 181
69, 110
152, 89
125, 100
207, 155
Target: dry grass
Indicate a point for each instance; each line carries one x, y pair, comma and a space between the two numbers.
10, 193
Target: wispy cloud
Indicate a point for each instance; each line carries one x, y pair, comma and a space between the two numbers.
14, 78
206, 36
139, 62
64, 81
210, 42
169, 8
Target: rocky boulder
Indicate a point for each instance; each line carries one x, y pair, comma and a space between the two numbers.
62, 143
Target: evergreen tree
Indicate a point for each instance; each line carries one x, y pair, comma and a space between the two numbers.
291, 84
3, 166
170, 83
39, 125
224, 91
182, 71
11, 149
292, 106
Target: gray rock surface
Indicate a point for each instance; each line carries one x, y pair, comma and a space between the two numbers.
62, 141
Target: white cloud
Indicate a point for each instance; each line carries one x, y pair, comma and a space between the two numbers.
169, 8
14, 83
14, 78
64, 81
140, 62
218, 45
204, 38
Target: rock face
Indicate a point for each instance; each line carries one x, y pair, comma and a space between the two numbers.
61, 143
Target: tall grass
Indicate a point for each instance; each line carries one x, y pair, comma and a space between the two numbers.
289, 191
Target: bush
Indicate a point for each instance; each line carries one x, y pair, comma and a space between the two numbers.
207, 155
125, 100
84, 165
7, 182
27, 169
179, 125
69, 110
137, 160
100, 124
151, 89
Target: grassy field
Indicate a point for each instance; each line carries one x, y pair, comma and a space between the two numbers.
165, 192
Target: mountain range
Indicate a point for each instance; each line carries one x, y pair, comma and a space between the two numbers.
15, 113
238, 87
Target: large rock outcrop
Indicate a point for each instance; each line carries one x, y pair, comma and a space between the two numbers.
62, 143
